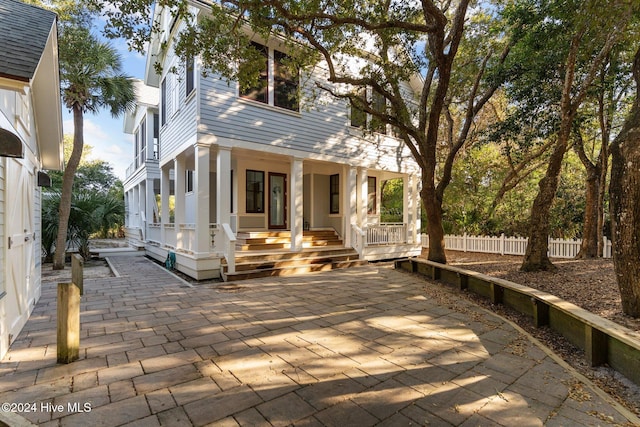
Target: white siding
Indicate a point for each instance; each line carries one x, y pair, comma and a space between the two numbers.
181, 122
322, 129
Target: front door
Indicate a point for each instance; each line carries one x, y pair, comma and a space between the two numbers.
277, 200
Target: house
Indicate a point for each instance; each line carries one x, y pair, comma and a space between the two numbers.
30, 142
257, 181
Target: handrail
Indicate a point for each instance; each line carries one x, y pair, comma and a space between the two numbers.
359, 240
229, 248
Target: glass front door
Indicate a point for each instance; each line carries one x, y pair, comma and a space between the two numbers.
277, 200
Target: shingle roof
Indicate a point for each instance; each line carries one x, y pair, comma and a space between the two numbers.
24, 30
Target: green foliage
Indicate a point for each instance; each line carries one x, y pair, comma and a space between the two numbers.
392, 200
97, 205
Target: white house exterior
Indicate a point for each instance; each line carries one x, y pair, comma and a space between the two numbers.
235, 164
30, 119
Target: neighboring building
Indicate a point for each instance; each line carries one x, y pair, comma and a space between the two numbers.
256, 171
142, 181
30, 141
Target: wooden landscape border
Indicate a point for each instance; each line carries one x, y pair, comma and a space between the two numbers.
603, 341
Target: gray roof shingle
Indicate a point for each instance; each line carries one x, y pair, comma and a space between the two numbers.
24, 30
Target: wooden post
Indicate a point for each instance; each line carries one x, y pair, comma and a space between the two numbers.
595, 346
68, 343
77, 275
540, 313
495, 293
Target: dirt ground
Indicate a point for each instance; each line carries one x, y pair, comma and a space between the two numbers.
589, 284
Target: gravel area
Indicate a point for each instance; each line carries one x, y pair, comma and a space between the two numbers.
589, 284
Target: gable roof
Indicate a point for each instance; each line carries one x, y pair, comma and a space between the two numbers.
24, 35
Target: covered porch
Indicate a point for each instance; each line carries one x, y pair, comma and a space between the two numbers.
213, 198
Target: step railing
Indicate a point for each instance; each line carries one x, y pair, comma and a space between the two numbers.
229, 247
358, 239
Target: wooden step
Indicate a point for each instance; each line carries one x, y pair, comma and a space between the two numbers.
292, 262
293, 270
322, 252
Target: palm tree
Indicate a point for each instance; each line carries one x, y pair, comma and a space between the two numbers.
90, 72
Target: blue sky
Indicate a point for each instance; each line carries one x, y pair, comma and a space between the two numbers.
103, 132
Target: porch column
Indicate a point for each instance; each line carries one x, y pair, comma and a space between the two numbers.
363, 187
351, 205
179, 191
223, 185
296, 207
151, 200
201, 188
165, 189
136, 204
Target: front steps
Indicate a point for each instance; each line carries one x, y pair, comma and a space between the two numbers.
276, 240
265, 254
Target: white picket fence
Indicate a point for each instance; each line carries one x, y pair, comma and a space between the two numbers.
558, 248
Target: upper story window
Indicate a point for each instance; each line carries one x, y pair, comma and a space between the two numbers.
277, 82
156, 136
285, 82
360, 119
191, 75
163, 101
258, 91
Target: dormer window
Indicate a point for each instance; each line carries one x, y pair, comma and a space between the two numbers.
278, 81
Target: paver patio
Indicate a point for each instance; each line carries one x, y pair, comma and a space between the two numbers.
362, 346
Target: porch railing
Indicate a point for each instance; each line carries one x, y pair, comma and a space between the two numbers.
170, 235
358, 237
154, 233
387, 234
187, 237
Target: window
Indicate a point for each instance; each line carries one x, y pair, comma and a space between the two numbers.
285, 82
156, 137
358, 116
191, 75
163, 101
257, 91
255, 191
143, 141
371, 195
136, 147
188, 181
379, 104
334, 194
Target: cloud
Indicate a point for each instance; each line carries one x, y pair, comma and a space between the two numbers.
109, 142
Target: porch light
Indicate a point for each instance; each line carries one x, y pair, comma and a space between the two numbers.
10, 145
44, 180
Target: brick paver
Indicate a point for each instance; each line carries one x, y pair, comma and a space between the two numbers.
362, 346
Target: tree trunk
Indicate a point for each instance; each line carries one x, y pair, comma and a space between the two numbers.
67, 189
433, 209
625, 215
536, 257
589, 245
624, 193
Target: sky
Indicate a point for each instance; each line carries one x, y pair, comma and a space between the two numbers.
104, 133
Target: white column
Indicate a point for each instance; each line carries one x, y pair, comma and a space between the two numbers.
136, 205
363, 186
202, 193
165, 189
151, 200
406, 206
179, 171
223, 184
351, 205
296, 211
